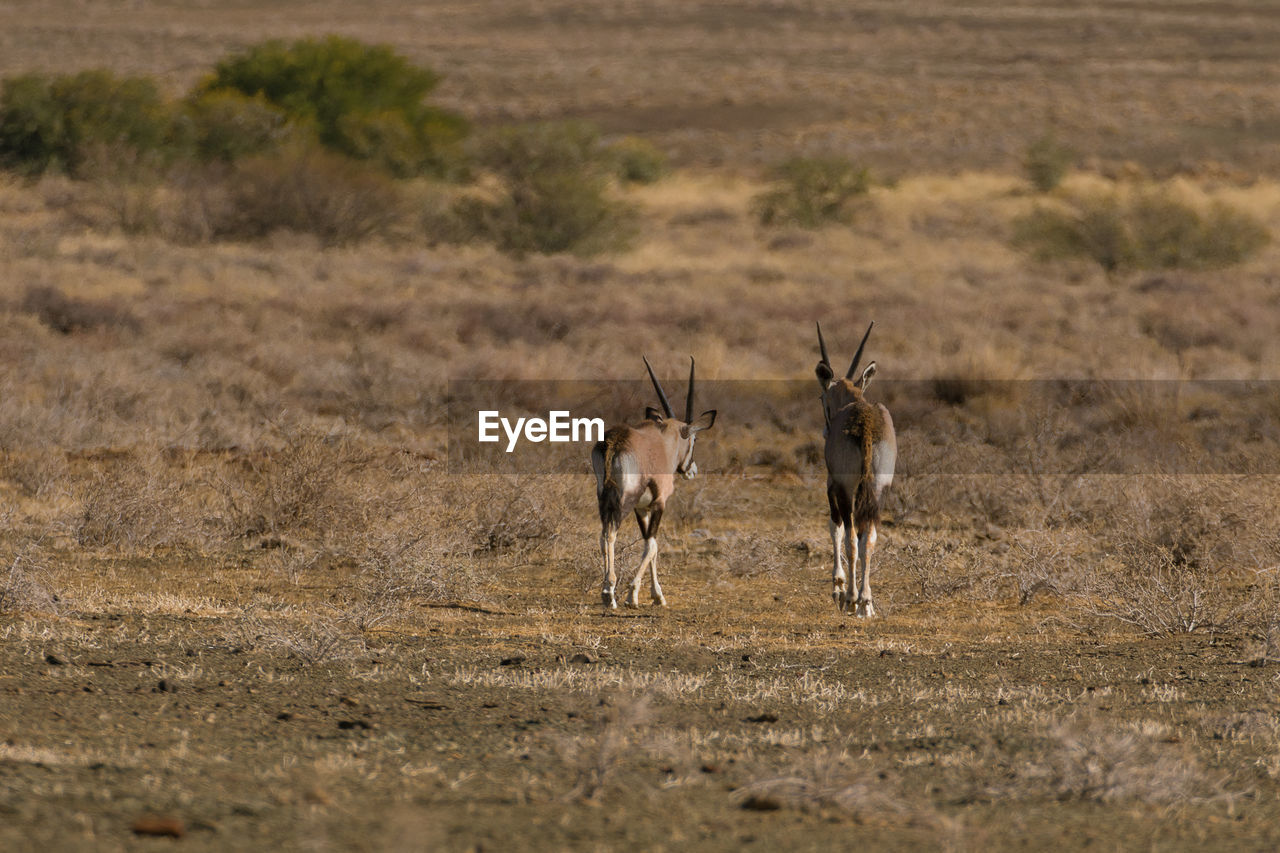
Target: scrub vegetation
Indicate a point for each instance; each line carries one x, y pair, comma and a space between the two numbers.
247, 596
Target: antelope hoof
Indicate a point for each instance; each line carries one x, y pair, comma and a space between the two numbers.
607, 599
659, 600
633, 600
864, 608
837, 596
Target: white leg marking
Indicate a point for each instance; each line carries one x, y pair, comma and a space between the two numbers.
658, 598
607, 540
838, 585
650, 549
851, 560
866, 544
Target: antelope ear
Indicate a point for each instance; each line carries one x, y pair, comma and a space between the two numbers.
704, 421
652, 414
865, 378
824, 373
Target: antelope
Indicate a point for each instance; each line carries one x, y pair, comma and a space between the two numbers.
635, 469
860, 450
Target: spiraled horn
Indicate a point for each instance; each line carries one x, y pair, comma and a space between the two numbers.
688, 403
657, 386
857, 356
822, 345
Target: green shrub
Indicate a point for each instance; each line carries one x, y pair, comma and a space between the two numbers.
1152, 230
1046, 163
638, 161
364, 101
812, 192
81, 123
554, 196
226, 125
334, 198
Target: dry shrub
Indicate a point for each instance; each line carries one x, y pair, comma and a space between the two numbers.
1046, 561
137, 505
310, 639
1046, 162
824, 780
68, 315
393, 572
935, 571
1156, 592
1148, 230
595, 758
1209, 523
638, 161
555, 192
812, 192
36, 470
752, 557
512, 513
294, 489
25, 588
311, 192
1091, 760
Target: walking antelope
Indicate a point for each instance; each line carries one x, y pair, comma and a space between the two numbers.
635, 469
860, 451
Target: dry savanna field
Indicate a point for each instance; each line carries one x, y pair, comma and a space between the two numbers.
248, 597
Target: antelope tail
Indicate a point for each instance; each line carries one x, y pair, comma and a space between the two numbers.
608, 492
866, 506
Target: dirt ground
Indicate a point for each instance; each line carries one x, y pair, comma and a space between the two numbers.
746, 714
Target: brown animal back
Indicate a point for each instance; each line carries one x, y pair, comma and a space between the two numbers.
865, 427
616, 440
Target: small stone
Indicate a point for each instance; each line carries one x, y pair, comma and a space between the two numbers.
55, 659
583, 657
757, 803
159, 827
347, 725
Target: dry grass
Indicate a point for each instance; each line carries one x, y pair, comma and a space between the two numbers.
225, 465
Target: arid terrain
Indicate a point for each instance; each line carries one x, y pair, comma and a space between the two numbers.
249, 595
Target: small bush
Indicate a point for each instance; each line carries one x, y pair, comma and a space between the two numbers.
25, 587
364, 101
1153, 230
555, 192
638, 161
227, 125
68, 315
82, 123
335, 199
813, 192
1046, 162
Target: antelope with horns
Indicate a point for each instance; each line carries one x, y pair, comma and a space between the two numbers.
860, 451
635, 470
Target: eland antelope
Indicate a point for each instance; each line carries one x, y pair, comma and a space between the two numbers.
635, 469
860, 449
